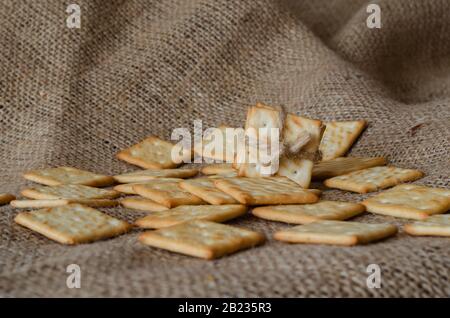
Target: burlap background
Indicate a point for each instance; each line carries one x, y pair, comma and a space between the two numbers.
135, 68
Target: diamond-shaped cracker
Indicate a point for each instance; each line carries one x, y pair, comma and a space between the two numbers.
436, 225
219, 168
410, 201
343, 165
151, 153
307, 213
339, 136
39, 204
168, 194
68, 175
336, 233
68, 191
191, 212
128, 187
265, 191
142, 204
298, 163
72, 224
373, 179
260, 116
205, 189
202, 239
5, 198
149, 175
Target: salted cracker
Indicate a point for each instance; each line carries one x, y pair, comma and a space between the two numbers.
410, 201
72, 224
308, 213
373, 179
168, 194
5, 198
127, 188
39, 204
68, 175
187, 213
205, 189
219, 168
336, 233
260, 116
202, 239
148, 175
151, 153
265, 191
68, 191
343, 165
436, 225
339, 136
142, 204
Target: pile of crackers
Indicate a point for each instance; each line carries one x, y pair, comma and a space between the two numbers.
187, 206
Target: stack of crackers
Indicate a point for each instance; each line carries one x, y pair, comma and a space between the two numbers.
187, 206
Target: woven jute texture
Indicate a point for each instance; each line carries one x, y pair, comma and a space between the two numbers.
135, 68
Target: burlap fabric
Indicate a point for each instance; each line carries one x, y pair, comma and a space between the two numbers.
135, 68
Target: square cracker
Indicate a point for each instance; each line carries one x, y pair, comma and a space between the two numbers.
205, 189
39, 204
308, 213
72, 224
410, 201
68, 191
373, 179
260, 116
436, 225
265, 191
343, 165
297, 165
151, 153
142, 204
5, 198
149, 175
221, 153
68, 175
339, 136
127, 188
219, 168
168, 194
187, 213
202, 239
336, 233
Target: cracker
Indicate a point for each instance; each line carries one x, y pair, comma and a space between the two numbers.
297, 170
265, 191
151, 153
436, 225
209, 148
343, 165
339, 136
142, 204
127, 188
202, 239
68, 175
373, 179
100, 203
260, 116
220, 168
308, 213
410, 201
205, 189
72, 224
187, 213
149, 175
336, 233
168, 194
5, 198
68, 191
